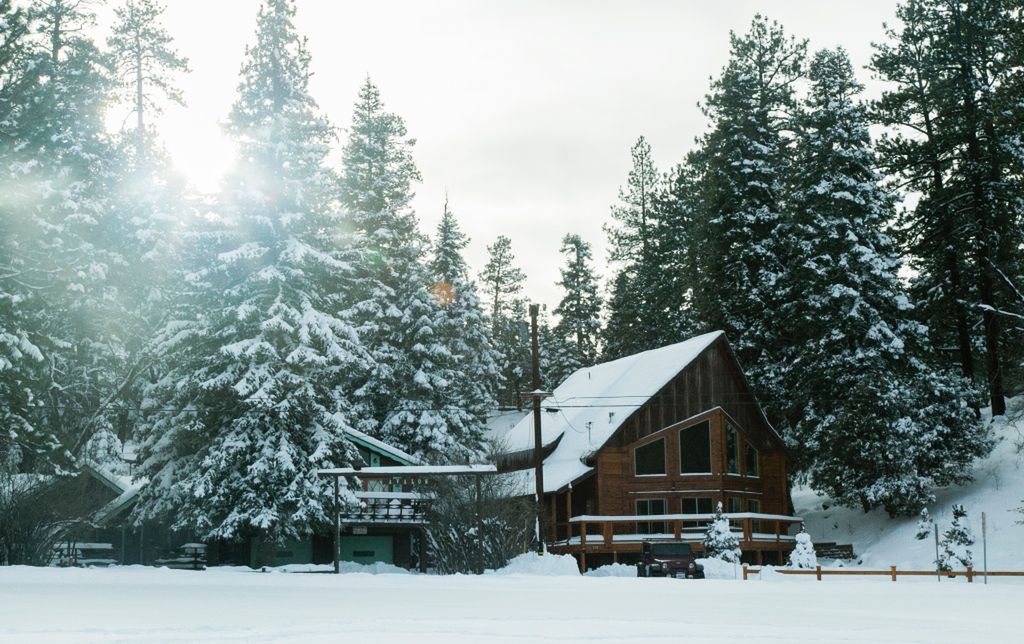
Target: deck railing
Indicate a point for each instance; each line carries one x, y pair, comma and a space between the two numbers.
604, 530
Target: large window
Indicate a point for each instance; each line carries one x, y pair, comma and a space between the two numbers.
650, 458
695, 449
732, 449
752, 468
732, 505
647, 507
700, 505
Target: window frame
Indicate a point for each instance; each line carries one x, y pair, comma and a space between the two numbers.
664, 457
748, 448
711, 451
650, 524
734, 431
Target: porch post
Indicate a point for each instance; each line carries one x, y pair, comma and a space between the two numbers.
337, 527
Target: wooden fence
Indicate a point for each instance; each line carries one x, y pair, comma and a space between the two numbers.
892, 572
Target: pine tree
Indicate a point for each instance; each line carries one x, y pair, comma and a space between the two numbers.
956, 542
925, 526
403, 399
24, 441
640, 295
466, 368
719, 540
579, 312
502, 284
144, 59
253, 398
803, 555
742, 165
870, 418
955, 85
69, 237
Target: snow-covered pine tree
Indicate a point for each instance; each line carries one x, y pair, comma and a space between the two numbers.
68, 236
955, 549
466, 369
925, 525
873, 423
639, 290
405, 387
579, 312
24, 440
742, 164
719, 540
501, 282
144, 59
258, 361
803, 555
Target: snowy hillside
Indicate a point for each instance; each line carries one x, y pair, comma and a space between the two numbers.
997, 490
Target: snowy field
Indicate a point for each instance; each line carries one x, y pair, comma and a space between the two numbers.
136, 604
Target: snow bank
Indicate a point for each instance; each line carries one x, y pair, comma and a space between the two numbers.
612, 570
547, 565
378, 568
718, 569
880, 541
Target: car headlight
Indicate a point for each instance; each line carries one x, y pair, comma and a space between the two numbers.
692, 565
664, 566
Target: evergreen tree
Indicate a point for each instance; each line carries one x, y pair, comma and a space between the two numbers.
68, 236
466, 368
404, 398
259, 359
579, 312
873, 423
803, 555
925, 526
955, 80
956, 542
643, 304
144, 59
719, 540
22, 374
742, 165
502, 284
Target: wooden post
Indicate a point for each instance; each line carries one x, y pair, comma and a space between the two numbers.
817, 572
553, 528
337, 526
608, 534
748, 530
744, 572
583, 534
892, 572
568, 514
583, 561
677, 530
538, 461
970, 574
778, 531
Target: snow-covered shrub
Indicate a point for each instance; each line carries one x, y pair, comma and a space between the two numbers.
719, 541
956, 542
477, 524
803, 555
925, 526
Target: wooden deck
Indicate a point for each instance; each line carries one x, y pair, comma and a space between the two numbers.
621, 537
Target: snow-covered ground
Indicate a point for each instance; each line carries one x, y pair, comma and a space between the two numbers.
997, 489
136, 604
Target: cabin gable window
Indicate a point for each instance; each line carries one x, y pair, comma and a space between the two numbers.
695, 449
751, 467
732, 449
649, 459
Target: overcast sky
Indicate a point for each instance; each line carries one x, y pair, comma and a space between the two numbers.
524, 112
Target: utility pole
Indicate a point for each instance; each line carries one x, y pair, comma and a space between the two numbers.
537, 395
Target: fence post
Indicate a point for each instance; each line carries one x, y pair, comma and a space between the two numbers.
892, 572
817, 572
744, 572
970, 574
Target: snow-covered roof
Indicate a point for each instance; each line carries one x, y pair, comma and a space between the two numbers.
410, 470
501, 421
592, 403
370, 442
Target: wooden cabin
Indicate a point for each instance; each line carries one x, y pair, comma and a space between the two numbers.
646, 446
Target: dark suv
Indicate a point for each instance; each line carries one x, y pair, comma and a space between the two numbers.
668, 559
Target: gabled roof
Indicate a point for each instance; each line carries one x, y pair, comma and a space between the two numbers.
379, 446
592, 403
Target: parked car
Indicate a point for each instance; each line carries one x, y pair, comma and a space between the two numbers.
668, 559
